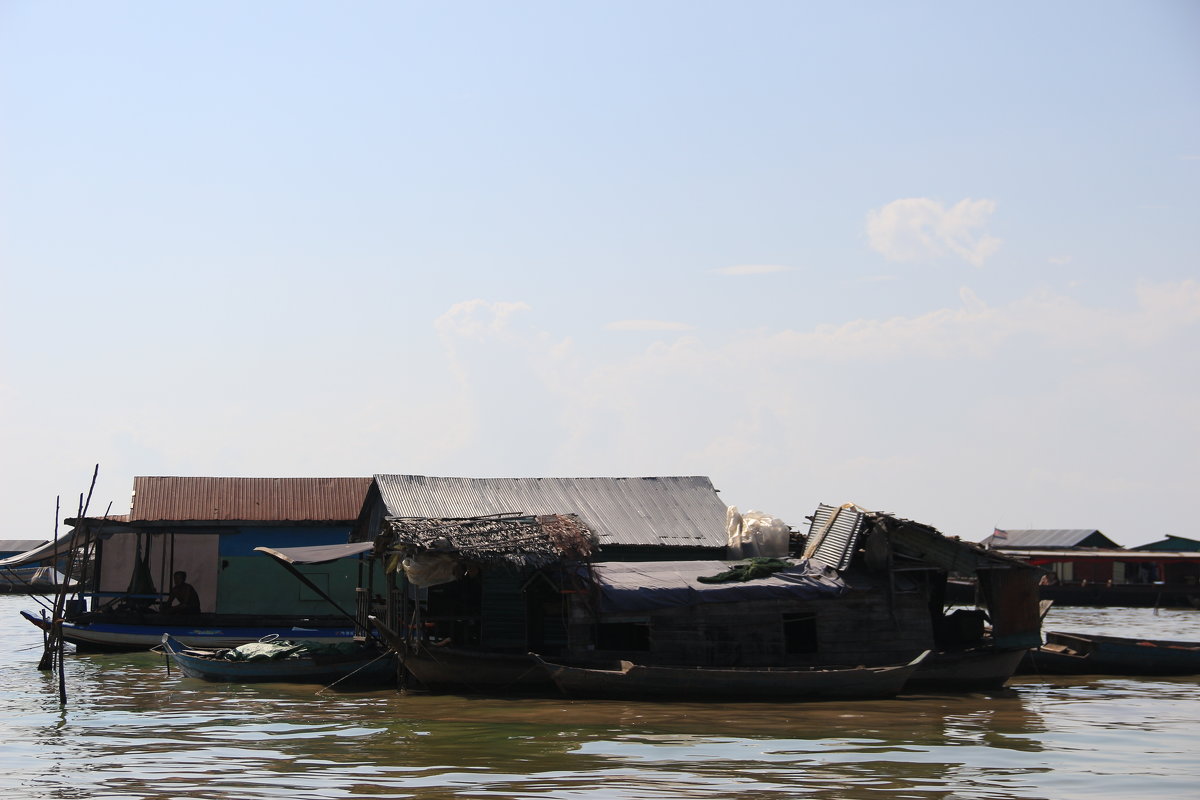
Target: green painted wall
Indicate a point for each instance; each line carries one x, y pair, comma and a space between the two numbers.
249, 582
260, 585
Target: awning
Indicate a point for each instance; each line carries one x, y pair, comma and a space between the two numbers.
318, 554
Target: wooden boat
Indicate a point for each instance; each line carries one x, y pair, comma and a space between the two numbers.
641, 681
441, 668
1086, 654
96, 633
363, 665
969, 669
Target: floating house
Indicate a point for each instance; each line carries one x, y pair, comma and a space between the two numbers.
862, 588
208, 528
484, 571
505, 601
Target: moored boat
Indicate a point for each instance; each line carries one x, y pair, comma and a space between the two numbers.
969, 669
1088, 654
283, 661
439, 668
647, 682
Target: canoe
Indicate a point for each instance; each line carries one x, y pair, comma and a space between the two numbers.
362, 665
94, 634
1086, 654
645, 682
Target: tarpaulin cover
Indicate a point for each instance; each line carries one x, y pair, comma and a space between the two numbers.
46, 551
316, 554
637, 586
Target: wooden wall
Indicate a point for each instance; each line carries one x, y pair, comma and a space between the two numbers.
856, 628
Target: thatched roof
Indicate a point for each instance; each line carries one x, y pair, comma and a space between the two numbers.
517, 540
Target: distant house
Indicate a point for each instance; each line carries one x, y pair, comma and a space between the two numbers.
12, 547
1172, 544
1047, 539
1087, 568
208, 528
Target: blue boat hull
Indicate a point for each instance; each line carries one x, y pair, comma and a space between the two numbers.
1086, 654
100, 636
372, 666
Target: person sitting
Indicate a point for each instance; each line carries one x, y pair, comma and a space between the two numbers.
183, 598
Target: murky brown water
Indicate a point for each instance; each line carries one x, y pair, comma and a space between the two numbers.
131, 731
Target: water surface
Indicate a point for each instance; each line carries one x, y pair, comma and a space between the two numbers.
131, 730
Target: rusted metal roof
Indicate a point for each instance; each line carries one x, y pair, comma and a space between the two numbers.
174, 499
676, 511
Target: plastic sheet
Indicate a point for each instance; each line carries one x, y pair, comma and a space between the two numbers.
755, 535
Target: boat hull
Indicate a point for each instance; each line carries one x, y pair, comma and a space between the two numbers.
642, 682
450, 668
967, 670
1081, 654
98, 636
373, 667
440, 669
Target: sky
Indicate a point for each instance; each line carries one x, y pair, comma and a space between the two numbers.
938, 259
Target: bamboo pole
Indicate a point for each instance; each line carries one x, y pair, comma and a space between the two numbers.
55, 643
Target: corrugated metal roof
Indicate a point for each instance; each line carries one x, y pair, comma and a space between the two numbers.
678, 511
1062, 537
1120, 554
1172, 543
174, 499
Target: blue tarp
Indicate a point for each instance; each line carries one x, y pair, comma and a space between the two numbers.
638, 586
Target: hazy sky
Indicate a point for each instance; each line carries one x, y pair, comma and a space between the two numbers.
940, 259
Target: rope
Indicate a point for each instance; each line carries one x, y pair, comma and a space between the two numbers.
352, 674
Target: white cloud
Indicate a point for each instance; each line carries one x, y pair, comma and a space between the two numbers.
753, 269
920, 229
478, 319
647, 325
1059, 260
976, 329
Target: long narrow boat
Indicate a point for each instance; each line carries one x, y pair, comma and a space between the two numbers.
93, 633
640, 681
1087, 654
358, 665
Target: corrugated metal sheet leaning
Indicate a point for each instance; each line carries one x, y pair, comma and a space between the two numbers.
835, 533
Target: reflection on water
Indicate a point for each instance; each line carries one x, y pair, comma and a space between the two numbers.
132, 730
